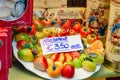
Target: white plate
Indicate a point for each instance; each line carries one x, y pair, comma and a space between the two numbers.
79, 73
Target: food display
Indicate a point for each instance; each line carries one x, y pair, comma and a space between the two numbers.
27, 48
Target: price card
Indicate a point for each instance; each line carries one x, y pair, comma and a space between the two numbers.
61, 44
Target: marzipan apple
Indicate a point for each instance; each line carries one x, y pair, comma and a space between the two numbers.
46, 32
54, 30
22, 36
39, 35
88, 64
63, 32
77, 63
54, 70
71, 32
99, 59
83, 56
68, 71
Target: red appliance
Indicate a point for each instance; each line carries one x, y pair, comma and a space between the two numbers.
3, 57
8, 31
21, 14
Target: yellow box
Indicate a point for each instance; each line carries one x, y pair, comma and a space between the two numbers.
50, 3
68, 13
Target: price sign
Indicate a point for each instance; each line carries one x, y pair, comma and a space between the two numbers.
61, 44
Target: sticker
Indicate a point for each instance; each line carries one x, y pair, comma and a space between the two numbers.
61, 44
0, 65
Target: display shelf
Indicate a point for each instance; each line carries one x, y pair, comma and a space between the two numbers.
18, 72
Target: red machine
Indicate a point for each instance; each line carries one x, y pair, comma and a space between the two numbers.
8, 31
3, 57
15, 13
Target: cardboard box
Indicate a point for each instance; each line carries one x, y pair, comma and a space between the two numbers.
49, 3
76, 13
68, 13
14, 13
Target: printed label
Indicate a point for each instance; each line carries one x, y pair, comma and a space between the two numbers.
0, 65
61, 44
97, 16
113, 35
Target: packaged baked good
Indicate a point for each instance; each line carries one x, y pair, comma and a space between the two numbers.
15, 12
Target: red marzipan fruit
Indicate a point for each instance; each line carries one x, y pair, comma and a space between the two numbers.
40, 63
68, 71
75, 54
63, 32
62, 57
65, 24
76, 26
55, 57
68, 56
71, 32
21, 44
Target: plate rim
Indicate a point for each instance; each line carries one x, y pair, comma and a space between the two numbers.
35, 71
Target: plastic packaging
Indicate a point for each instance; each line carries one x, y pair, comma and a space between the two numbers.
15, 12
